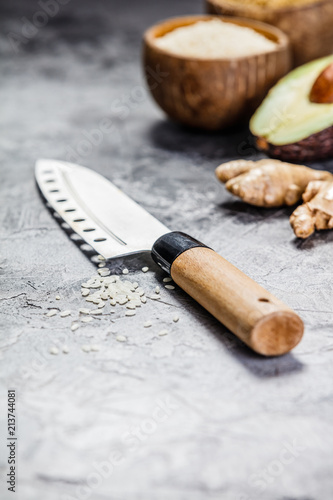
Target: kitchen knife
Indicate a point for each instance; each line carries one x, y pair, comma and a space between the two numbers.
114, 225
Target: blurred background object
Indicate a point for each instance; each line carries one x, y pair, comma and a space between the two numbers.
308, 23
214, 93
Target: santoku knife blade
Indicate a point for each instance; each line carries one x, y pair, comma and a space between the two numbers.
114, 225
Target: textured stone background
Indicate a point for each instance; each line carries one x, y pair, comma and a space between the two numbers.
230, 418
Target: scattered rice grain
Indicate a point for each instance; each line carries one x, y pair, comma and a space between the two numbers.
86, 348
155, 297
121, 338
95, 347
125, 271
63, 314
96, 311
51, 313
167, 279
75, 326
87, 319
163, 332
122, 301
54, 350
145, 269
104, 272
130, 313
169, 287
84, 310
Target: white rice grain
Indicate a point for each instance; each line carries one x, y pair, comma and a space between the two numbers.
155, 297
84, 310
130, 313
96, 311
63, 314
87, 319
51, 313
95, 347
121, 338
86, 348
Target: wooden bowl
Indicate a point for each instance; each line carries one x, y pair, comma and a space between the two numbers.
309, 27
212, 93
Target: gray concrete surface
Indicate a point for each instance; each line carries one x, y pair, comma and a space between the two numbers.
193, 414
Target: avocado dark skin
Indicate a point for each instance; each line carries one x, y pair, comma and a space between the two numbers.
315, 147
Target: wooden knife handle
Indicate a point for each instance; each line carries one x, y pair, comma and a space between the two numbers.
258, 318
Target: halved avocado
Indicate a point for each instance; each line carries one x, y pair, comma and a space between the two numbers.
288, 124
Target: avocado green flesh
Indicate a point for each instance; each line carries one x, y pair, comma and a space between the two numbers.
286, 115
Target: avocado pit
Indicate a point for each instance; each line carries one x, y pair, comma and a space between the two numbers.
322, 90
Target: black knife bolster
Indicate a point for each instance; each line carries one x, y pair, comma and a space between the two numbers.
169, 246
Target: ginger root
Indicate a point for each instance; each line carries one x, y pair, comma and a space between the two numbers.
272, 183
268, 183
316, 212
